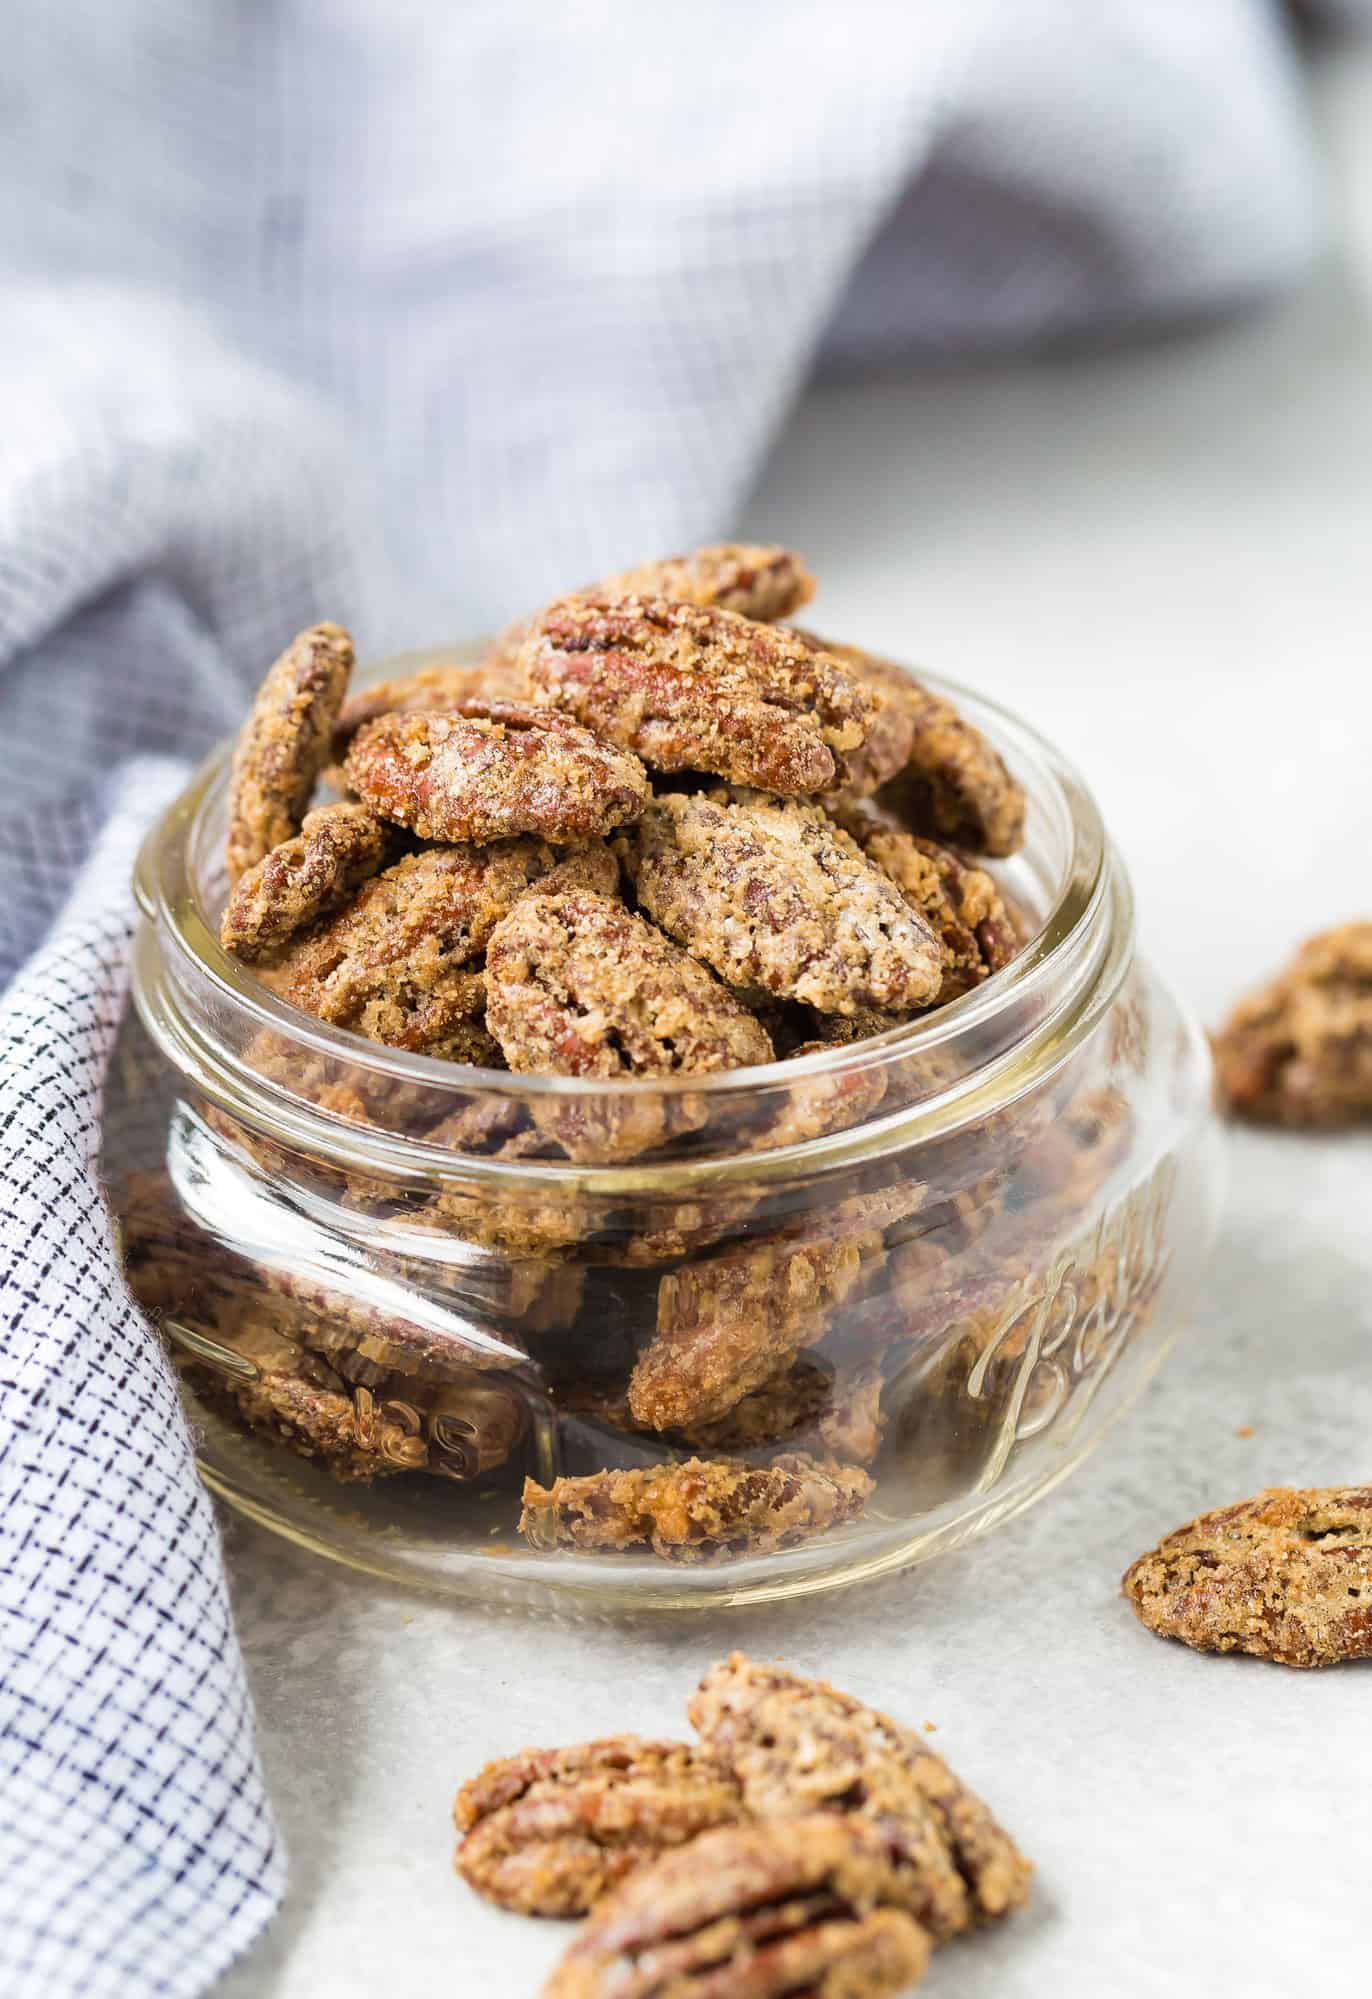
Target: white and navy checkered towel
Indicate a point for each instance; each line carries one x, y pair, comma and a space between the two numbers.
555, 272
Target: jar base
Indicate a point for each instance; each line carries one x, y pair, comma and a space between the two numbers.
392, 1535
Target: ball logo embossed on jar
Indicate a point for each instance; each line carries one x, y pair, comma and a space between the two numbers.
1061, 1337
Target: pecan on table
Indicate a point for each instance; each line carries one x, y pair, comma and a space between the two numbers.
688, 687
1299, 1050
1286, 1576
775, 896
698, 1511
751, 1912
800, 1746
284, 744
548, 1831
493, 771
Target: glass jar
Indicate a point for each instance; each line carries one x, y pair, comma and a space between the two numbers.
729, 1337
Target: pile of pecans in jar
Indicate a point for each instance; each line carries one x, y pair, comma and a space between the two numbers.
657, 833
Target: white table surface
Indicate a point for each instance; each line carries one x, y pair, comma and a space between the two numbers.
1163, 557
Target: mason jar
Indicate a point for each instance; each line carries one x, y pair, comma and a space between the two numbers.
721, 1338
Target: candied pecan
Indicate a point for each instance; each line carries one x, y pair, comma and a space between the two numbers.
297, 1399
1299, 1050
751, 1912
283, 745
851, 1429
728, 1322
337, 848
757, 582
401, 963
577, 985
692, 688
548, 1831
801, 1746
815, 1106
954, 784
359, 1430
836, 1030
592, 867
789, 1401
494, 771
960, 903
431, 690
1286, 1576
808, 1407
697, 1511
890, 737
774, 895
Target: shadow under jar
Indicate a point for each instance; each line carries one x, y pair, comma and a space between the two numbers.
849, 1310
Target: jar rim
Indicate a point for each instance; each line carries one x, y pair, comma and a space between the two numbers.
1091, 901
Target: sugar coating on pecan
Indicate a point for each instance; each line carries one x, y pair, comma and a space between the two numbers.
337, 848
890, 737
808, 1406
592, 867
1299, 1050
494, 774
751, 1912
954, 784
698, 1511
430, 690
284, 744
960, 902
690, 687
774, 895
548, 1831
578, 985
801, 1746
762, 582
1286, 1576
729, 1322
401, 963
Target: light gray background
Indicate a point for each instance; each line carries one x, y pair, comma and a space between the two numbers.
1162, 556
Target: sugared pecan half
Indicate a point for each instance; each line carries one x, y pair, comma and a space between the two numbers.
751, 1912
801, 1746
954, 784
961, 903
401, 963
688, 687
885, 750
577, 985
494, 772
284, 744
337, 849
1286, 1576
698, 1511
757, 582
429, 690
727, 1323
1299, 1051
548, 1831
774, 895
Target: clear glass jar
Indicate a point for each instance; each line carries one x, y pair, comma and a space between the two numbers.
819, 1319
